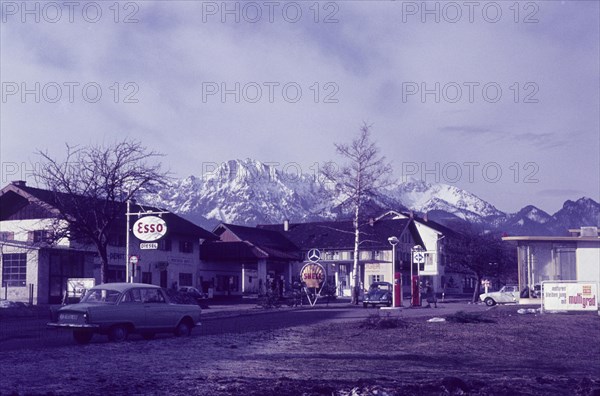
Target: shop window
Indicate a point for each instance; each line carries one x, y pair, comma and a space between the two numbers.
117, 240
185, 279
227, 283
186, 246
165, 244
147, 277
7, 236
376, 278
14, 269
39, 236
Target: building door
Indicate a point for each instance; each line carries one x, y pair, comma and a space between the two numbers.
566, 264
163, 278
62, 267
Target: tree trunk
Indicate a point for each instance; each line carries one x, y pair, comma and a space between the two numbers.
103, 253
356, 290
477, 288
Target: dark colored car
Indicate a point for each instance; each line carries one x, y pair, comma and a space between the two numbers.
193, 293
380, 293
118, 309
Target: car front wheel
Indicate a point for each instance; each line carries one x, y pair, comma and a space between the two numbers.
82, 337
489, 302
183, 329
118, 333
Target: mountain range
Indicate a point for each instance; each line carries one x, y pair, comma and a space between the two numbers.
249, 192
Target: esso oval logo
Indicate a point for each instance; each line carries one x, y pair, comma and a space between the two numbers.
149, 228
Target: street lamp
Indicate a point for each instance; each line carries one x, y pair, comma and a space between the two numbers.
394, 241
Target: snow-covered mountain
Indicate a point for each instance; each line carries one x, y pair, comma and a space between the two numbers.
425, 197
243, 192
250, 192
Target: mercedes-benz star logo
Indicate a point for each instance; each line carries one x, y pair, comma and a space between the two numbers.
314, 255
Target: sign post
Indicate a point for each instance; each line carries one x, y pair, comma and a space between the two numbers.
486, 285
418, 258
313, 276
149, 228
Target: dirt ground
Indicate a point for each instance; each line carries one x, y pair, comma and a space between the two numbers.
550, 354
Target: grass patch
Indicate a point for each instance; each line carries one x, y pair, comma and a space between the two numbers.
468, 317
378, 322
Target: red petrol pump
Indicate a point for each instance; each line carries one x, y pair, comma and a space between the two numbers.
416, 293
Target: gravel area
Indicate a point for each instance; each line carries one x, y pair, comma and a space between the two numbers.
515, 354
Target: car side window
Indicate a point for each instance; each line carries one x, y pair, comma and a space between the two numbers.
132, 296
153, 296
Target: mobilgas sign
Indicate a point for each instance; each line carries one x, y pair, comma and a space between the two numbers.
149, 228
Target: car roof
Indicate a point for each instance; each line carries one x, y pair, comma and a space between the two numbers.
123, 286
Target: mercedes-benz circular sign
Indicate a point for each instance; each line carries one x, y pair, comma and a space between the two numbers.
313, 255
149, 228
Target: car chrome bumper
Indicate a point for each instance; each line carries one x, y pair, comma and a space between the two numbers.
72, 325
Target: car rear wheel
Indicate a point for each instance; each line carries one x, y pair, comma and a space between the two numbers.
184, 328
82, 337
489, 302
118, 333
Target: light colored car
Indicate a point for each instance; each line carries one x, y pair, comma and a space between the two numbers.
507, 294
118, 309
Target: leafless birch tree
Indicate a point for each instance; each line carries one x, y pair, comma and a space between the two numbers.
358, 181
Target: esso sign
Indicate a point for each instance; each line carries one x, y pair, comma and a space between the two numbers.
149, 228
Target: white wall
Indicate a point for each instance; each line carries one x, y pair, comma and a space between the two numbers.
21, 228
430, 238
588, 261
21, 293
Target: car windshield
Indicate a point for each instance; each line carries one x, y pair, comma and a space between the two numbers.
106, 296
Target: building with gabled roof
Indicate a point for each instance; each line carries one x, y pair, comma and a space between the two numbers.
335, 241
35, 269
248, 259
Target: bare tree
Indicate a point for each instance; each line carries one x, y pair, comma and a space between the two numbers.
357, 182
90, 188
483, 254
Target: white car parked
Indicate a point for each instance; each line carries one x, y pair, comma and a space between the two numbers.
508, 294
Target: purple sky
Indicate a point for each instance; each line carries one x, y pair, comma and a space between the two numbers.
353, 61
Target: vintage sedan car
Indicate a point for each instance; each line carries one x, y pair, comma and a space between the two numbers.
118, 309
507, 294
379, 293
193, 293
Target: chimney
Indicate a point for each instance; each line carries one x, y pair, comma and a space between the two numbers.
589, 232
286, 225
425, 217
19, 183
371, 221
412, 214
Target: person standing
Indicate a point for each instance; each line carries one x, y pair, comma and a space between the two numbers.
430, 295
